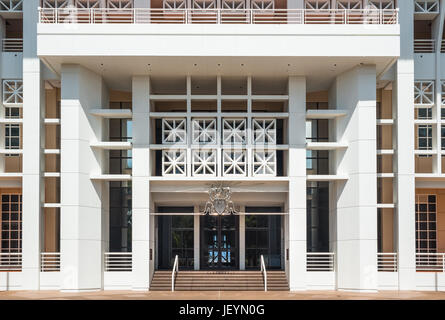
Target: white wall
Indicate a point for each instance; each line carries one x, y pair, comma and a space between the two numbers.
81, 198
356, 212
218, 40
33, 144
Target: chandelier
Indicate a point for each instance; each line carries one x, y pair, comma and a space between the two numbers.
219, 202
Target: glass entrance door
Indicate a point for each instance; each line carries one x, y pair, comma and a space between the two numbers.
219, 242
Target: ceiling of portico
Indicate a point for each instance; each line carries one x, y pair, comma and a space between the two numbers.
118, 71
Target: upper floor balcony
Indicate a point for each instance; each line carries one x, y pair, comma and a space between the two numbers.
364, 32
217, 16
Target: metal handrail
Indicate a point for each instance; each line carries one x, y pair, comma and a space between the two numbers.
175, 271
263, 270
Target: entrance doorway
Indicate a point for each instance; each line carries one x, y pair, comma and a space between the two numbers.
219, 242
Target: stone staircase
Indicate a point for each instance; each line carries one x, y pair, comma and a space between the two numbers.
219, 281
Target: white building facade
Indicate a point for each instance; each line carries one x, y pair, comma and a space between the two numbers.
322, 117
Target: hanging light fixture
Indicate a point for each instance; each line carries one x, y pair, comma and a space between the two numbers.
219, 202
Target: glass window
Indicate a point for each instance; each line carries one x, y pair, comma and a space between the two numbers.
120, 217
425, 137
11, 223
426, 223
263, 237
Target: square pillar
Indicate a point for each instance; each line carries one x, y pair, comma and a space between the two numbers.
81, 212
143, 237
297, 184
356, 199
33, 144
142, 3
404, 161
196, 238
242, 239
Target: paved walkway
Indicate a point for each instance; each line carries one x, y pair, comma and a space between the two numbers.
220, 295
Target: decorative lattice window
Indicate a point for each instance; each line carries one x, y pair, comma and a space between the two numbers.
423, 92
234, 162
174, 4
317, 4
349, 4
426, 229
263, 4
11, 223
120, 4
426, 6
204, 162
204, 4
381, 4
54, 4
87, 4
174, 131
11, 5
204, 131
174, 162
264, 131
233, 4
264, 163
12, 91
234, 131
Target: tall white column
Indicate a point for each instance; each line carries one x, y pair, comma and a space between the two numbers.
143, 267
297, 184
356, 210
404, 168
81, 238
33, 142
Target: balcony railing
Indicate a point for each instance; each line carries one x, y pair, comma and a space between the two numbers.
387, 262
320, 261
442, 47
218, 16
50, 262
433, 262
118, 261
10, 262
424, 46
12, 45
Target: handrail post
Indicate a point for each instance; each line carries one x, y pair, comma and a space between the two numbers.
263, 270
174, 271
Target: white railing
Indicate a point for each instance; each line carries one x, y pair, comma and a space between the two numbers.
442, 47
387, 262
175, 271
433, 262
218, 16
10, 261
50, 261
424, 45
118, 261
12, 45
320, 261
263, 270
